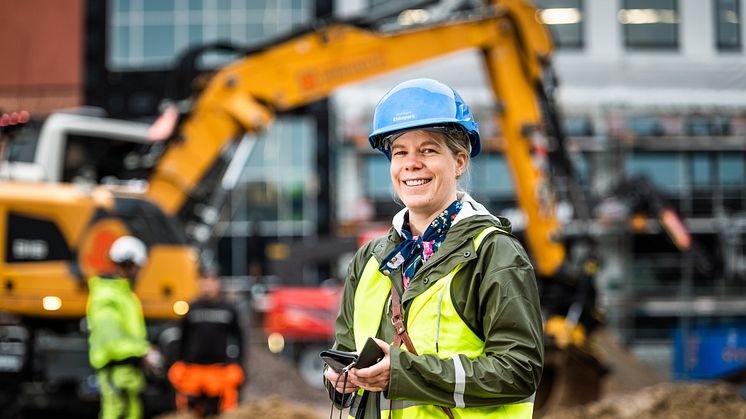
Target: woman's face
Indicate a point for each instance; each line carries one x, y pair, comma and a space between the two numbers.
424, 172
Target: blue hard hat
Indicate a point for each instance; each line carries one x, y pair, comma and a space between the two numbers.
420, 103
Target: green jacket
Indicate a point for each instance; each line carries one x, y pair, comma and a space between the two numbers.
496, 295
115, 321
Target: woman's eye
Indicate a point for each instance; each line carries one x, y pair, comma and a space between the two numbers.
428, 151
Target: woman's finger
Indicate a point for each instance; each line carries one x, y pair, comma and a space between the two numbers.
338, 381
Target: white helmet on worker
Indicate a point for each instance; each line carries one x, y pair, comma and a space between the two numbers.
128, 249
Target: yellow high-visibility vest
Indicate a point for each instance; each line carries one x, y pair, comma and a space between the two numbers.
435, 327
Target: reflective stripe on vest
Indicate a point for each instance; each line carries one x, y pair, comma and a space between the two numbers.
435, 327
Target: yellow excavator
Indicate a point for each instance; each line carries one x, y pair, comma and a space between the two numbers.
56, 235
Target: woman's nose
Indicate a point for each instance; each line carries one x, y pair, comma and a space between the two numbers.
412, 161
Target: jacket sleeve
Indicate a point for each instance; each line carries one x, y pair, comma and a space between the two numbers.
344, 334
505, 297
109, 338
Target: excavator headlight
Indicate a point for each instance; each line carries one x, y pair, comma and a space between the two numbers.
181, 307
275, 342
51, 303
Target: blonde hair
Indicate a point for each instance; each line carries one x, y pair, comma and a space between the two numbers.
458, 142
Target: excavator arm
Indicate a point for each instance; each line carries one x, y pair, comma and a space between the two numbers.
245, 96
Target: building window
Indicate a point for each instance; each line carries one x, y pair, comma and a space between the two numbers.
278, 183
564, 18
377, 184
728, 25
578, 126
707, 125
645, 125
731, 169
151, 33
650, 24
701, 171
490, 178
664, 169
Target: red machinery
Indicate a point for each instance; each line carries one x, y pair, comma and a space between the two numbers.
299, 323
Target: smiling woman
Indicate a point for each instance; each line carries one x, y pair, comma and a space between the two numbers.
424, 173
467, 339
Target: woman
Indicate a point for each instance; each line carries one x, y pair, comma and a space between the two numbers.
449, 281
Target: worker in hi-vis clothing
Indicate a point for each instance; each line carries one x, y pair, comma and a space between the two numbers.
449, 284
119, 349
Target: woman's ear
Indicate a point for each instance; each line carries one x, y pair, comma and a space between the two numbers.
461, 160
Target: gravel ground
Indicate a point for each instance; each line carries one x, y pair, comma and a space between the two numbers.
275, 390
665, 401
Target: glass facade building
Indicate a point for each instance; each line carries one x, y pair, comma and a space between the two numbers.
149, 33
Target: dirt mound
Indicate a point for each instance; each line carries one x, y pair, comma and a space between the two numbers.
269, 374
626, 372
273, 389
273, 407
664, 401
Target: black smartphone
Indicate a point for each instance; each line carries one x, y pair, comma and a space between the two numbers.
338, 360
370, 355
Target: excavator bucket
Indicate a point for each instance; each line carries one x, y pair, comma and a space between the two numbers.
571, 377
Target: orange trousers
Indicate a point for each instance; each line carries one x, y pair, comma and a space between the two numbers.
215, 380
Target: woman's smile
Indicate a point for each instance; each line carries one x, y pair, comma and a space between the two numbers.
417, 182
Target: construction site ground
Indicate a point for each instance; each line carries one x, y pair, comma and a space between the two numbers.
631, 390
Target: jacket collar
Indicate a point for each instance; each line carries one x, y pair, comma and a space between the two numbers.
472, 219
471, 208
458, 246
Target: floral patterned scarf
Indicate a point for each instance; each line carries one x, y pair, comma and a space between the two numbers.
411, 253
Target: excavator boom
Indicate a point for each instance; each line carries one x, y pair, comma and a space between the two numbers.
243, 98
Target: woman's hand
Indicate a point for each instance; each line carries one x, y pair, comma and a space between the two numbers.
332, 376
375, 377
